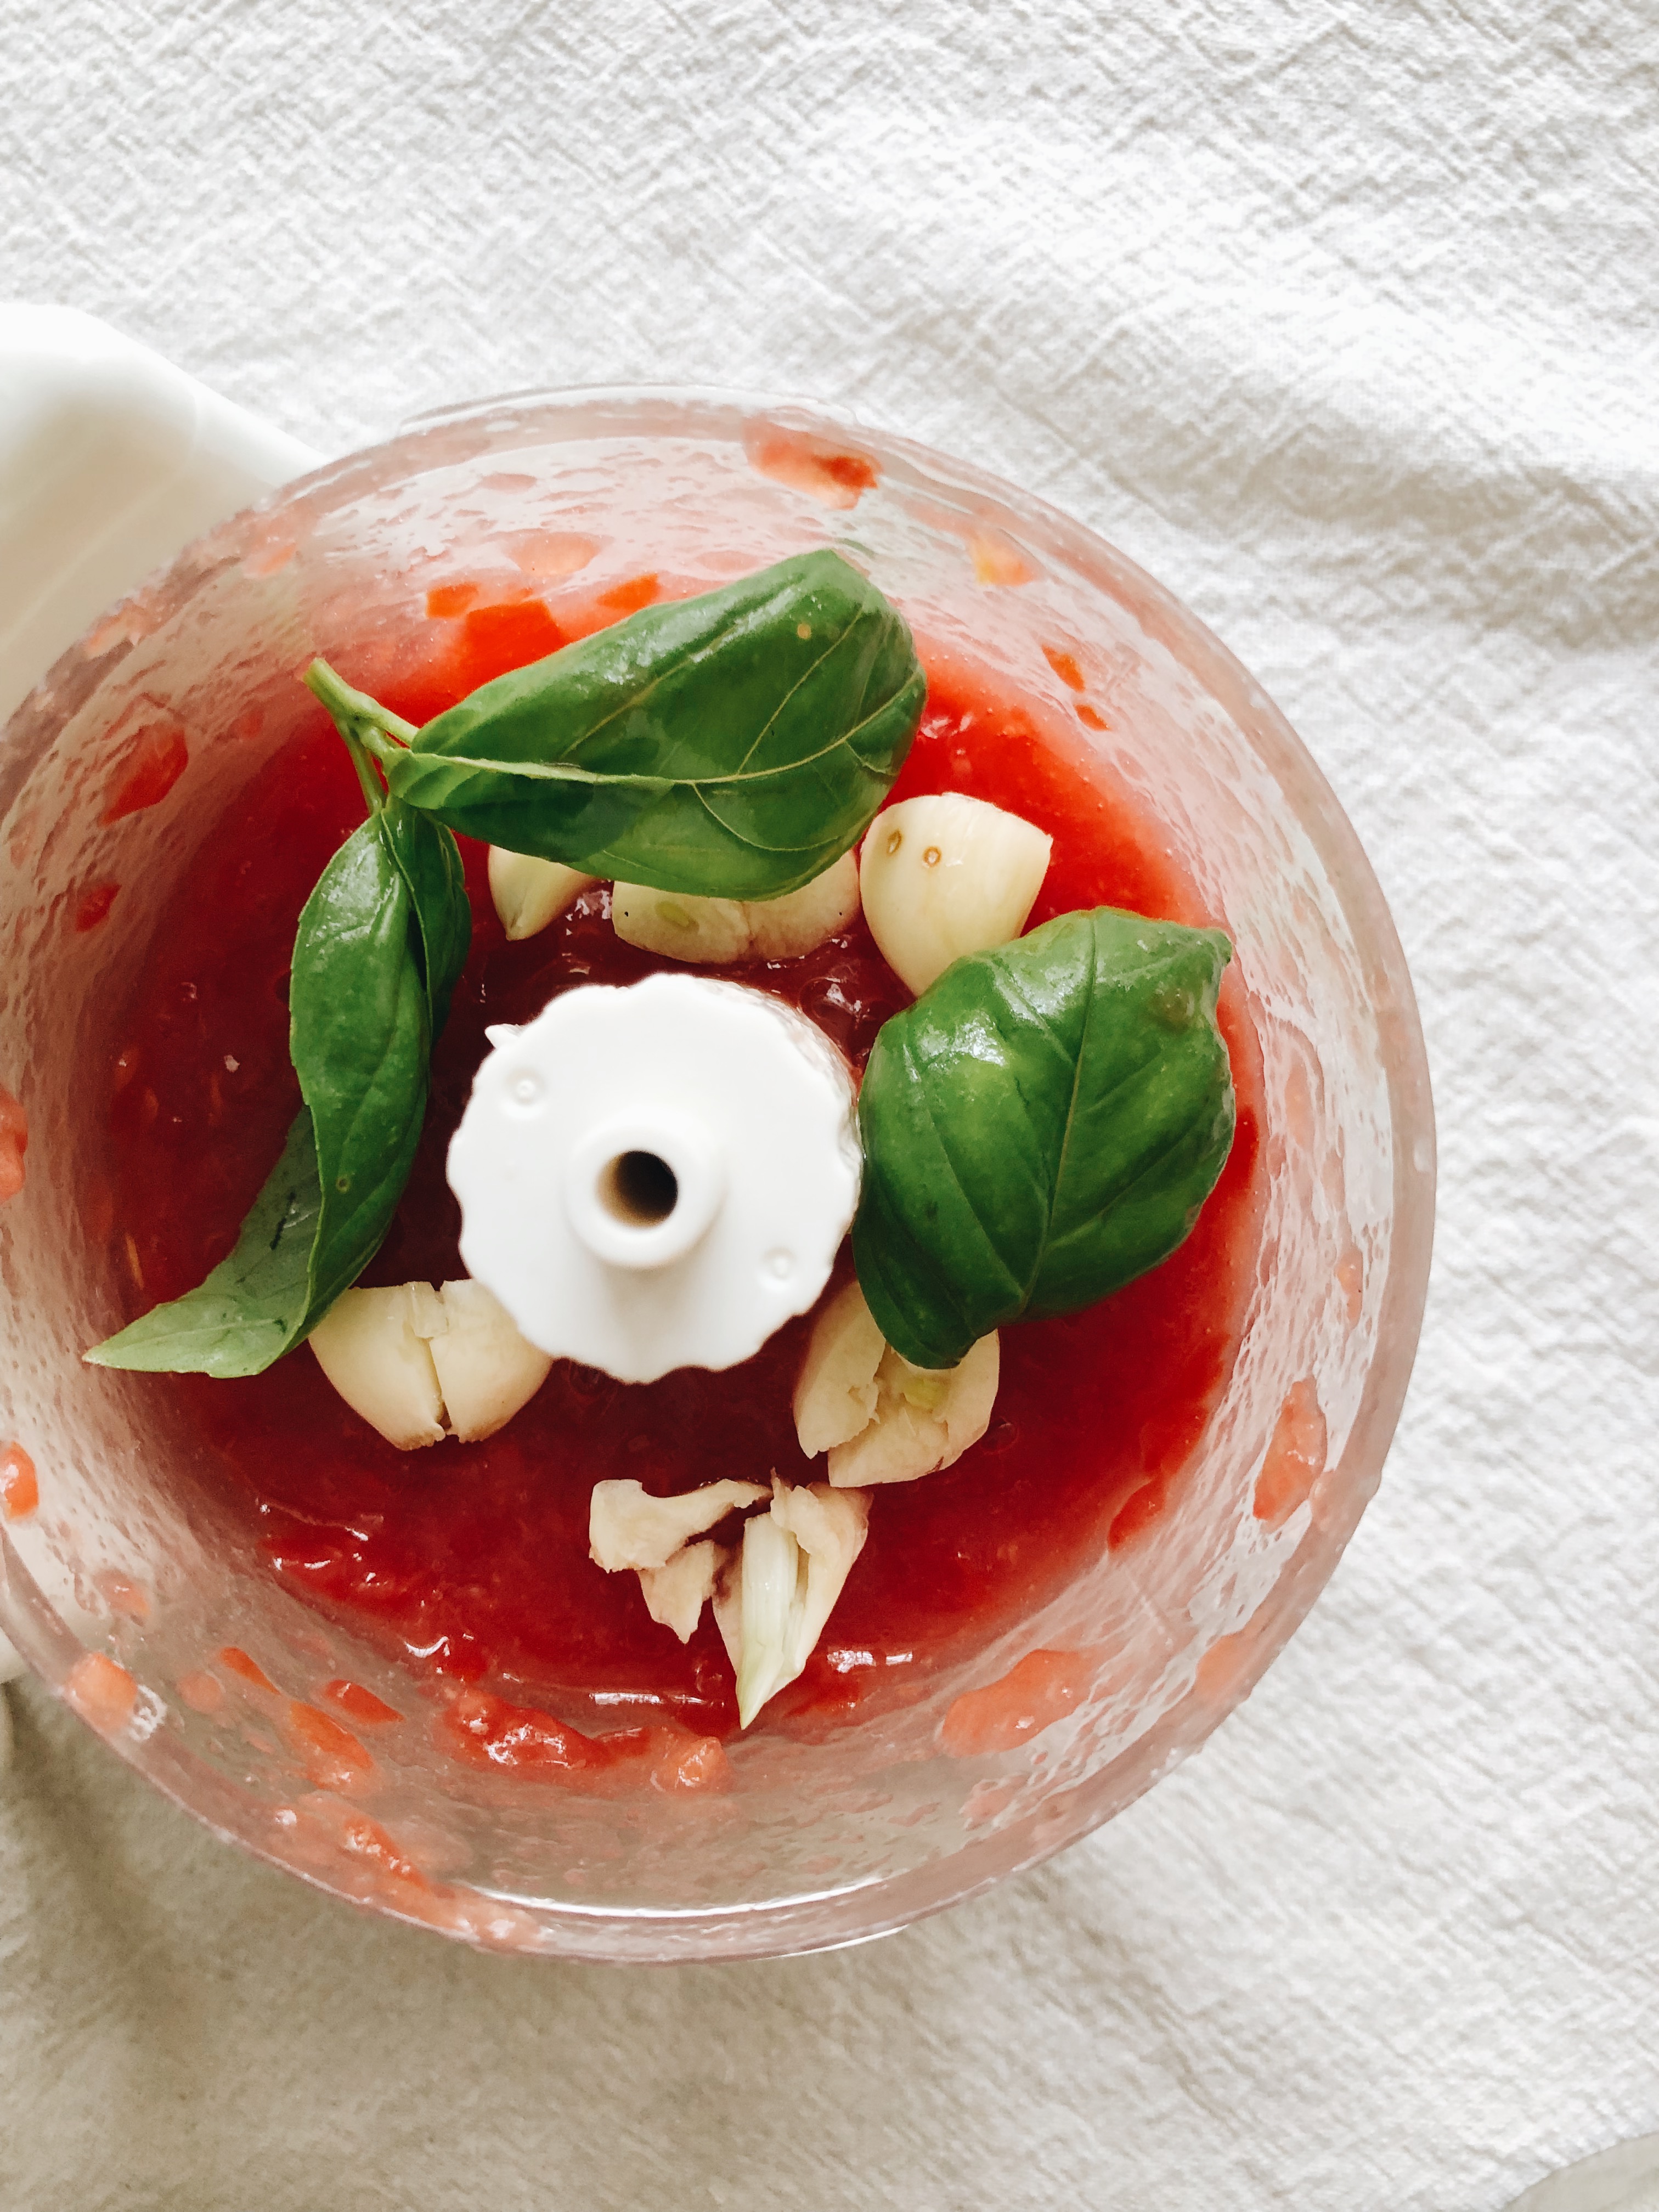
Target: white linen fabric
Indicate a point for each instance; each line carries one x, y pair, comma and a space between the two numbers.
1340, 316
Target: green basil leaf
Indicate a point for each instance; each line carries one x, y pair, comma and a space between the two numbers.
247, 1312
380, 944
1042, 1126
359, 1037
735, 743
430, 862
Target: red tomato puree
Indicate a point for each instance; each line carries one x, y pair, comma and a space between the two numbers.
469, 1563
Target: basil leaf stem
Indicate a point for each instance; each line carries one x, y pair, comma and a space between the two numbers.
360, 720
1040, 1127
734, 744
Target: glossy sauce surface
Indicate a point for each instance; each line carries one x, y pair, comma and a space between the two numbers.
470, 1562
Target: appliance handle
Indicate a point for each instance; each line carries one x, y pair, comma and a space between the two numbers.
110, 461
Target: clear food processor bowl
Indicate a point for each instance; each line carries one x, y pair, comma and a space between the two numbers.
126, 1580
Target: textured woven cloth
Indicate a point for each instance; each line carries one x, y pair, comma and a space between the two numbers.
1339, 317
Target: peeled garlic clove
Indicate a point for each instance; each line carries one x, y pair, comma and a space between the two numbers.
709, 931
674, 1594
947, 875
626, 1528
529, 893
486, 1369
835, 1396
798, 923
373, 1347
926, 1419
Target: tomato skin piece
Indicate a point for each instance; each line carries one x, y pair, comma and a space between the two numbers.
93, 906
360, 1705
235, 1661
102, 1692
19, 1487
504, 637
489, 1731
14, 1143
1042, 1689
1296, 1456
158, 758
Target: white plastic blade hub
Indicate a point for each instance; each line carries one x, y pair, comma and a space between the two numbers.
657, 1177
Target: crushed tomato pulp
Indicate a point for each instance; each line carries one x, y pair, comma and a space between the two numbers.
469, 1563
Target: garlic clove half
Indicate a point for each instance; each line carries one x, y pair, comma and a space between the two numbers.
373, 1346
710, 931
410, 1359
798, 923
675, 1592
720, 931
925, 1418
945, 875
879, 1419
529, 893
835, 1396
486, 1369
628, 1527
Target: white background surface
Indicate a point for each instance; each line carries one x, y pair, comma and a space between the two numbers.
1341, 316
